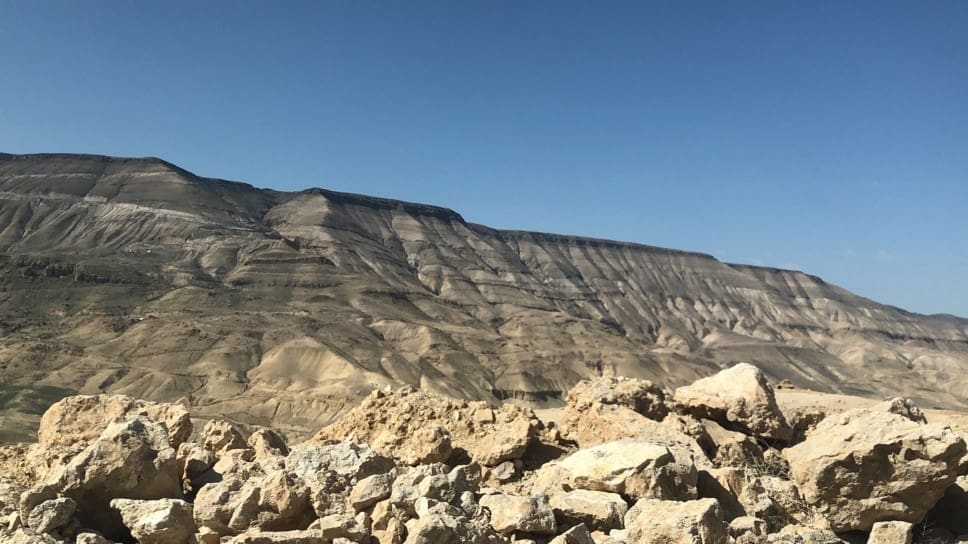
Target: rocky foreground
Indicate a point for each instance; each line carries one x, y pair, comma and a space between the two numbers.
716, 462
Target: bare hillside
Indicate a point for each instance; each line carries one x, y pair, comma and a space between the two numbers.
134, 276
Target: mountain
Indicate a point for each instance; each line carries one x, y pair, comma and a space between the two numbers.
136, 276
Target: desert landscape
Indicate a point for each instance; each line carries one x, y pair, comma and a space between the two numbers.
193, 360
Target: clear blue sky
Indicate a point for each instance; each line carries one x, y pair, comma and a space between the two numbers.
830, 137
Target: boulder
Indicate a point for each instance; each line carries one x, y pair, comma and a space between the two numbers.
576, 535
513, 432
902, 407
673, 522
51, 515
90, 538
279, 537
425, 445
10, 492
640, 396
891, 532
633, 468
334, 467
72, 423
864, 466
371, 490
26, 536
162, 521
602, 423
443, 528
131, 459
514, 513
284, 502
595, 509
220, 435
388, 421
738, 398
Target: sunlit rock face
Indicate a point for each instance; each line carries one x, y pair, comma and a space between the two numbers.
134, 276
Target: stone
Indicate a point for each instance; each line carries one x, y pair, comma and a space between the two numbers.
511, 437
576, 535
504, 472
25, 536
51, 515
513, 513
161, 521
640, 396
891, 532
220, 435
334, 467
10, 492
864, 466
438, 528
633, 468
747, 525
90, 538
193, 462
371, 490
598, 510
673, 522
283, 502
425, 445
267, 443
279, 537
731, 448
74, 422
738, 398
131, 459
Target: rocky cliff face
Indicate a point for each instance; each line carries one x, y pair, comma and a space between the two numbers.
134, 276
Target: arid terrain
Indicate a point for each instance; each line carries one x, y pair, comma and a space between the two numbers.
718, 461
136, 277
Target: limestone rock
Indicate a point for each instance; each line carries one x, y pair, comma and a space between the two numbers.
279, 537
388, 421
672, 522
902, 407
51, 515
738, 398
220, 435
161, 521
74, 422
26, 536
10, 492
633, 468
512, 513
576, 535
731, 448
425, 445
863, 466
283, 502
602, 423
90, 538
891, 532
334, 467
131, 459
266, 443
640, 396
440, 528
595, 509
371, 490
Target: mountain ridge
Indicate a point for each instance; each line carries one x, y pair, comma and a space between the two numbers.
142, 278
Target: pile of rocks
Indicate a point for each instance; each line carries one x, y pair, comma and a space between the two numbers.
715, 462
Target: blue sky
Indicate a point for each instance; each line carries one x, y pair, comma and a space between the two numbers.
830, 137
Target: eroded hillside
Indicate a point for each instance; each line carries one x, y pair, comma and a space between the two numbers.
134, 276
